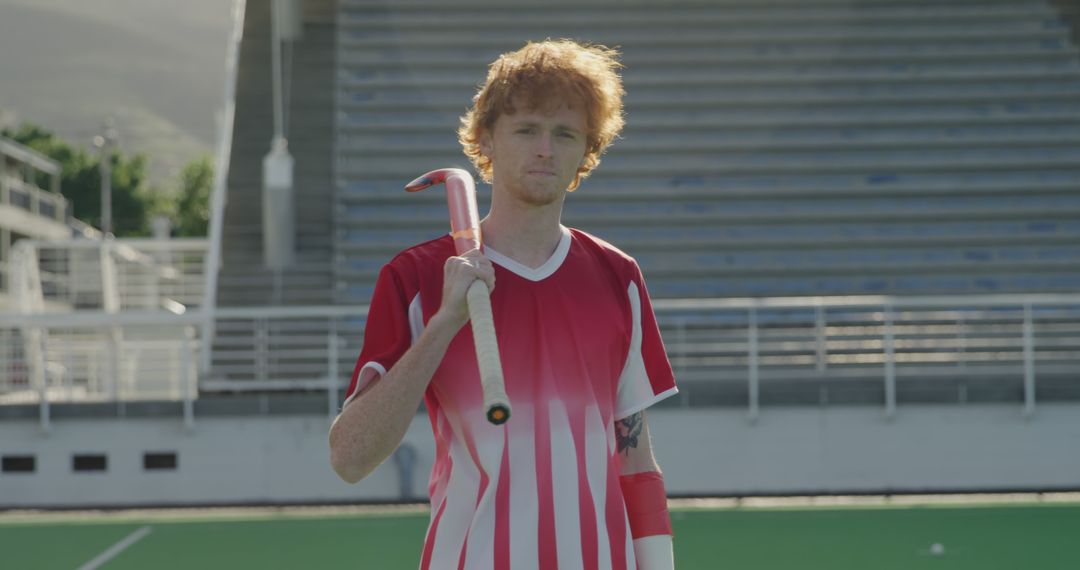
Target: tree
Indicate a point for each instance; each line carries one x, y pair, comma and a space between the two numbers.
191, 215
134, 201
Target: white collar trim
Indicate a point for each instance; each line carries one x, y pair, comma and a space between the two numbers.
540, 273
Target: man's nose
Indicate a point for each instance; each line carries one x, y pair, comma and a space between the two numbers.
543, 146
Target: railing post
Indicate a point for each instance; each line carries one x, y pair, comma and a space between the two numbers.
261, 333
188, 377
40, 377
680, 358
35, 198
890, 364
819, 327
110, 303
752, 333
206, 355
1029, 361
961, 332
332, 370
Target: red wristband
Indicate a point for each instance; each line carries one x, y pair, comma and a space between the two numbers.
646, 504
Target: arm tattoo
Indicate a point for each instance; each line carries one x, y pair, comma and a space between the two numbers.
627, 432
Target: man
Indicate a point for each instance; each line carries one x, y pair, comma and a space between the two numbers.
570, 481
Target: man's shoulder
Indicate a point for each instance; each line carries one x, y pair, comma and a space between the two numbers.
601, 247
431, 251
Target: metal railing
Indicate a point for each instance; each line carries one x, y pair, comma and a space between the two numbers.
110, 275
94, 356
28, 197
762, 340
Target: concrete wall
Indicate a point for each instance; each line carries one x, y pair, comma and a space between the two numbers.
712, 451
856, 449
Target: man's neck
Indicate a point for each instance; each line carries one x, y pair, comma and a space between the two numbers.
528, 235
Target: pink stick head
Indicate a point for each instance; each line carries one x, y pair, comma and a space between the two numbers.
461, 199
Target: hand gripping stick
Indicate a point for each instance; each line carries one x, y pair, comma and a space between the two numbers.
465, 229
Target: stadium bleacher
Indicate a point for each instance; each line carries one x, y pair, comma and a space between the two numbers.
772, 149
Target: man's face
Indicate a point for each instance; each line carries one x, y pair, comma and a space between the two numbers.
535, 153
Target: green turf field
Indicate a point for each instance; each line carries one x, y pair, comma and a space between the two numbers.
865, 538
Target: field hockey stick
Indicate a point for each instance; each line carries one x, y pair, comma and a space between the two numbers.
465, 229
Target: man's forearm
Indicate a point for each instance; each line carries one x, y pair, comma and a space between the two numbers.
650, 523
371, 426
645, 494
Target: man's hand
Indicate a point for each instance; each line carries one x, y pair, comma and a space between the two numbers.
458, 274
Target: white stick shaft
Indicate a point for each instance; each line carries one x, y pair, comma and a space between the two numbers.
487, 349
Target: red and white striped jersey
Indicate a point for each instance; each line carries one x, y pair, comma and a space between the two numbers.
580, 349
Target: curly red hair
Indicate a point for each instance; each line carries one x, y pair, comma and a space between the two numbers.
543, 74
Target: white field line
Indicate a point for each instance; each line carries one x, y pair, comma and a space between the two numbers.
842, 501
29, 516
116, 549
194, 514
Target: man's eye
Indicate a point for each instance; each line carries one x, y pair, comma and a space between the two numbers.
567, 135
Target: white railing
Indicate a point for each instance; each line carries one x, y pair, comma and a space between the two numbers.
98, 356
758, 340
286, 349
110, 275
28, 197
94, 356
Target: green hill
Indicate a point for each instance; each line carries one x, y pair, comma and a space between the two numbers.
157, 66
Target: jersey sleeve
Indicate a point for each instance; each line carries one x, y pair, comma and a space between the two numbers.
387, 333
647, 377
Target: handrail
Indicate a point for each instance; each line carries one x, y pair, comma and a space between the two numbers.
661, 306
895, 338
219, 196
121, 273
29, 156
862, 301
171, 244
37, 196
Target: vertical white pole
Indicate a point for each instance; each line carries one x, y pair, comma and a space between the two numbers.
212, 263
332, 370
187, 373
1029, 361
819, 325
890, 364
40, 376
680, 355
262, 342
754, 365
276, 14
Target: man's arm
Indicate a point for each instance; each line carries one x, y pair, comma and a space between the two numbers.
633, 443
373, 424
643, 492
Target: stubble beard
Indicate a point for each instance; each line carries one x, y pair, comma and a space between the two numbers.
537, 193
545, 195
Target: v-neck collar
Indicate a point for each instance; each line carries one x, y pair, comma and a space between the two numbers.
540, 273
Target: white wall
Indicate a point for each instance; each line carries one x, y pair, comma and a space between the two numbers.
706, 451
849, 449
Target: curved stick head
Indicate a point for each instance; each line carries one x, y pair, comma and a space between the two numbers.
435, 177
461, 199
